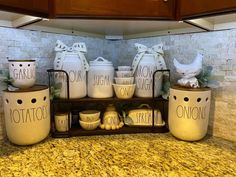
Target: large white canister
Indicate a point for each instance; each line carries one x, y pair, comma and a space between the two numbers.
189, 112
73, 61
100, 78
145, 63
27, 114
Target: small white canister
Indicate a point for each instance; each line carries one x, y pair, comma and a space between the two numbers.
27, 114
100, 78
61, 122
22, 72
145, 63
189, 112
73, 61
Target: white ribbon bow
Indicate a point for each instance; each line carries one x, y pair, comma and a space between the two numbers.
157, 50
77, 47
153, 50
62, 49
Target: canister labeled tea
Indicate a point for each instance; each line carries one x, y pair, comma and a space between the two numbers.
27, 115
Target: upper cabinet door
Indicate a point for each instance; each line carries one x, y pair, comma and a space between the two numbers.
114, 9
29, 7
199, 8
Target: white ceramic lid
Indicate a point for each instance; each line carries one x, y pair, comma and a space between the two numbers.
100, 61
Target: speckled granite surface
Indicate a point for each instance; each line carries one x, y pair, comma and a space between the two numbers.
141, 155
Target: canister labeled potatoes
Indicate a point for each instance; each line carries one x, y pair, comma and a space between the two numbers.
27, 115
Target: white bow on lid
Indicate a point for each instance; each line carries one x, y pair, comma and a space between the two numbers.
78, 48
153, 50
156, 50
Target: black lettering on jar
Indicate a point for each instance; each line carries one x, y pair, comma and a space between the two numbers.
188, 112
101, 80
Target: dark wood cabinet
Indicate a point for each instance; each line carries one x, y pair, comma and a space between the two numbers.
114, 9
187, 9
29, 7
120, 9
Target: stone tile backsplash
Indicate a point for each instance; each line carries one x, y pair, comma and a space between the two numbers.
219, 49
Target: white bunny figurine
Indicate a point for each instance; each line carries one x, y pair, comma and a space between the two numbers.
189, 71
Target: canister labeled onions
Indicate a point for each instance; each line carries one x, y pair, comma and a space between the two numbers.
22, 72
100, 78
27, 115
189, 112
145, 63
73, 61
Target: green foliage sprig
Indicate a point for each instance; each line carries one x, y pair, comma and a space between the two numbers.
5, 79
55, 91
205, 78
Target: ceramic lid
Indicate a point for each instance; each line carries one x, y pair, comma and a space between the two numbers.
31, 89
177, 87
100, 61
25, 60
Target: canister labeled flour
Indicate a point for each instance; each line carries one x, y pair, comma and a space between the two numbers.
27, 115
73, 61
145, 63
100, 78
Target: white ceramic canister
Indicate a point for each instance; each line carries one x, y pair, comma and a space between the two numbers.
100, 78
27, 114
73, 61
61, 122
145, 63
22, 72
189, 112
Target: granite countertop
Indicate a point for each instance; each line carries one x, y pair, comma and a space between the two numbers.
141, 155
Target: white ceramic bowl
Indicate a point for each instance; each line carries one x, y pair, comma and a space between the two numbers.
124, 91
124, 80
89, 125
22, 72
89, 115
124, 68
124, 73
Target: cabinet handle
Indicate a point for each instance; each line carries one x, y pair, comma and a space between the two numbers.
165, 0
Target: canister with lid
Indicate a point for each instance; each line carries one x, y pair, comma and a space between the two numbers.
145, 63
100, 78
73, 61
